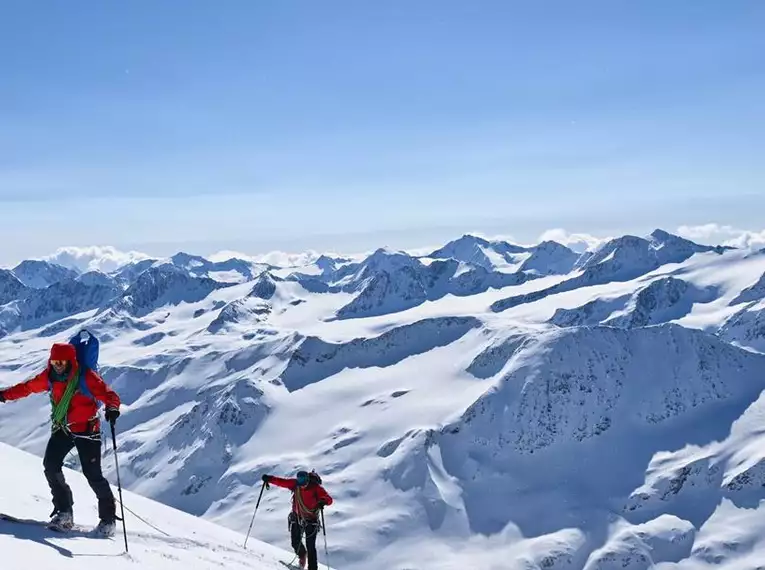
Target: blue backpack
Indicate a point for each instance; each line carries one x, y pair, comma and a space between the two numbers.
86, 345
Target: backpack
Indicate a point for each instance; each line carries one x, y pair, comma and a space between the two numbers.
86, 345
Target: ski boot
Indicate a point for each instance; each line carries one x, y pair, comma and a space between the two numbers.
105, 529
62, 521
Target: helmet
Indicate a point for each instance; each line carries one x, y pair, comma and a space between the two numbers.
302, 478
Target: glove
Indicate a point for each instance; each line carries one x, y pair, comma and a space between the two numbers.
266, 479
2, 397
111, 415
321, 503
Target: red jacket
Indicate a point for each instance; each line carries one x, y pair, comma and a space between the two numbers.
305, 500
83, 411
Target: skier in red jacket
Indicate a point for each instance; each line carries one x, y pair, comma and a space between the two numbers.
74, 425
308, 498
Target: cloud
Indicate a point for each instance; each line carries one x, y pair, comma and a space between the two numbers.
705, 231
285, 259
495, 237
102, 258
725, 235
421, 251
579, 242
277, 258
227, 254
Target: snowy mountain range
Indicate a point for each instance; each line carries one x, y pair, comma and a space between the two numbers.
487, 405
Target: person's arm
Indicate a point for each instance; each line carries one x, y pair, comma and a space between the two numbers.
323, 497
290, 484
36, 385
101, 391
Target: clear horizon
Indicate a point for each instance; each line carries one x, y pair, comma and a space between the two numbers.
344, 127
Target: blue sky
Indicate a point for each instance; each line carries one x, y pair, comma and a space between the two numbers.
198, 125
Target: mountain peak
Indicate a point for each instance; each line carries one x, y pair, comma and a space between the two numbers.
661, 235
265, 286
183, 259
482, 252
472, 238
166, 284
385, 259
325, 263
38, 274
96, 278
552, 244
550, 258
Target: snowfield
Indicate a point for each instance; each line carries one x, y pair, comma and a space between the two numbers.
170, 540
484, 406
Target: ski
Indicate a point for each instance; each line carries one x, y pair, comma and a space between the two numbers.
76, 529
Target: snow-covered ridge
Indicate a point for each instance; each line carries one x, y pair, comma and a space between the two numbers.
621, 259
754, 293
165, 284
389, 282
546, 258
576, 384
196, 447
567, 404
62, 299
746, 327
315, 359
550, 258
663, 300
229, 271
128, 273
10, 287
247, 310
473, 249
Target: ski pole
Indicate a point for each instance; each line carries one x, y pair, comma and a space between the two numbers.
262, 487
119, 483
324, 530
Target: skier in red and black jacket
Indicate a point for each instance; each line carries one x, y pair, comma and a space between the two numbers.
308, 498
74, 426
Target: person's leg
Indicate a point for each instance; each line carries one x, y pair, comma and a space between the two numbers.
311, 532
89, 449
59, 444
296, 536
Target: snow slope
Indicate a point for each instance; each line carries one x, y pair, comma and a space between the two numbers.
662, 300
10, 287
606, 420
746, 327
171, 540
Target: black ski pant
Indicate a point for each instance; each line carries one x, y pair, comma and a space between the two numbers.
89, 450
311, 530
